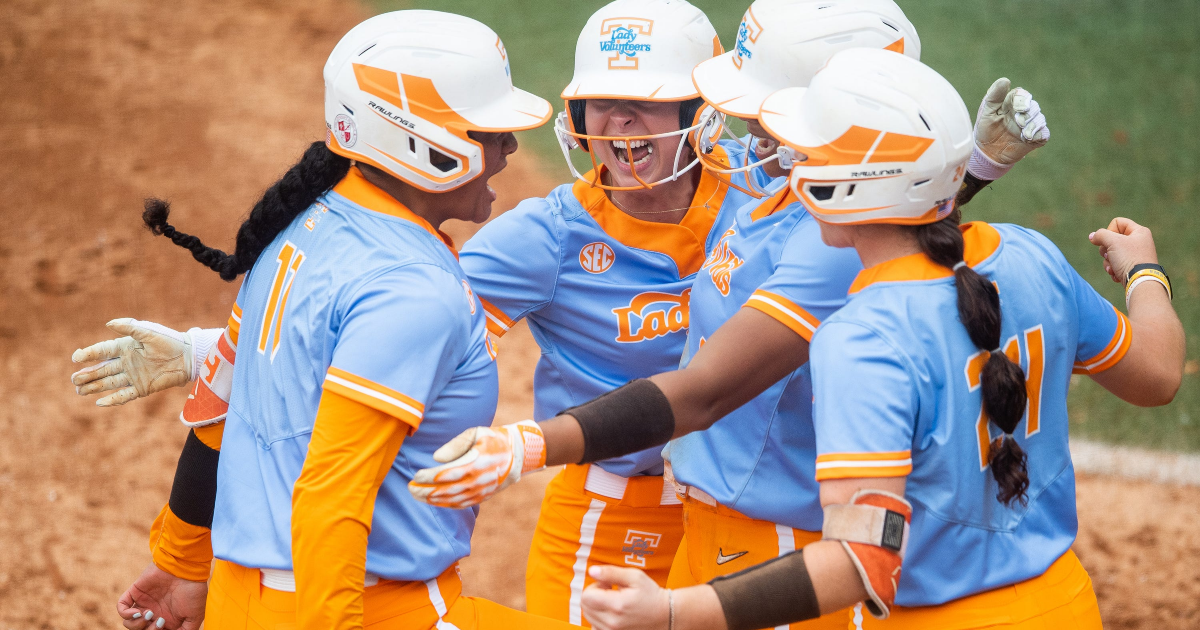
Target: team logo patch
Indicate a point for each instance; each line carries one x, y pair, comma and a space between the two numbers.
622, 34
638, 545
721, 263
345, 130
748, 33
651, 315
596, 257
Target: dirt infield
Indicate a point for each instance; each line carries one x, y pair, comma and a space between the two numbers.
206, 102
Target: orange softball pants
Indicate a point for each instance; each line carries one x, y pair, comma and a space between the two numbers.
718, 541
237, 600
591, 517
1059, 599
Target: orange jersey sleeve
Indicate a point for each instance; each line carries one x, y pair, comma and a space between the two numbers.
352, 448
176, 546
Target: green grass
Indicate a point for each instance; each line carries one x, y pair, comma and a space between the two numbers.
1119, 81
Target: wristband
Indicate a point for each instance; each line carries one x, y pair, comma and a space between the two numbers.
631, 418
1146, 272
774, 593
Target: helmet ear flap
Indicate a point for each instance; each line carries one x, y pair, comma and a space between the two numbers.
578, 108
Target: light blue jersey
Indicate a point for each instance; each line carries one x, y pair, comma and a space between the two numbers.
896, 383
606, 295
759, 459
360, 297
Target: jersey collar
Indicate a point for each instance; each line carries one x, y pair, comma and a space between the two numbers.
683, 242
358, 190
783, 198
980, 242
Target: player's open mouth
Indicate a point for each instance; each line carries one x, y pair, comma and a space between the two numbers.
492, 192
765, 147
641, 150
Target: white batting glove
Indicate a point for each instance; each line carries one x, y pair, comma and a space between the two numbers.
480, 462
1008, 126
149, 359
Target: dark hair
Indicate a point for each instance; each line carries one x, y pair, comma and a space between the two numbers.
316, 172
1002, 381
578, 109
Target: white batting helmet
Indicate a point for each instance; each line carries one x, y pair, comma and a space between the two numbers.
883, 137
782, 44
641, 50
402, 90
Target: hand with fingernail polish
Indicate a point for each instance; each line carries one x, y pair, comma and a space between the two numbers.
157, 599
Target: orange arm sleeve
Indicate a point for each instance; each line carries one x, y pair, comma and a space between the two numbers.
176, 546
352, 448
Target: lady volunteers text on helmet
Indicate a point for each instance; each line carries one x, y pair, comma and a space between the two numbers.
402, 90
783, 43
641, 50
881, 138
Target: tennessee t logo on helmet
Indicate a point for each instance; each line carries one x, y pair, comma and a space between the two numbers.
637, 50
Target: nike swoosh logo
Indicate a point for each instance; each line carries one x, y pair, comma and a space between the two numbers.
722, 558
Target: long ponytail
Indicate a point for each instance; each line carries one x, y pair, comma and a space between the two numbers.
316, 172
1002, 381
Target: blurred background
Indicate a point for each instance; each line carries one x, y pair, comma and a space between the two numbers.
207, 102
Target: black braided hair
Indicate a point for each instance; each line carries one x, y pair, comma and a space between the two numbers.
317, 171
1002, 381
578, 109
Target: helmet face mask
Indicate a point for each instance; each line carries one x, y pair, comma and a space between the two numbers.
886, 139
637, 50
600, 146
403, 89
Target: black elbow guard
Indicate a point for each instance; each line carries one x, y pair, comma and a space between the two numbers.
775, 593
194, 492
633, 417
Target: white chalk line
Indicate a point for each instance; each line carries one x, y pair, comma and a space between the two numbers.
1141, 464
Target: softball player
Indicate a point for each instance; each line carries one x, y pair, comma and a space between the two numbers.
941, 417
747, 482
602, 270
312, 525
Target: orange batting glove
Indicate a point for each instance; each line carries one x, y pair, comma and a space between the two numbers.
479, 463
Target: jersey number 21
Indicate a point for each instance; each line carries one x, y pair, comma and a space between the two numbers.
1034, 368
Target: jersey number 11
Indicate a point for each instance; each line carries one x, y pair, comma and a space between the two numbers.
289, 261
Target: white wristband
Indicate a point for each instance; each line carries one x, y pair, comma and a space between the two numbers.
1133, 285
983, 167
203, 339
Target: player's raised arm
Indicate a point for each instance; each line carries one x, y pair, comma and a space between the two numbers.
1008, 126
1151, 370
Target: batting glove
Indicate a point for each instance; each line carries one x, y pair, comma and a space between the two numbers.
479, 463
1008, 126
150, 358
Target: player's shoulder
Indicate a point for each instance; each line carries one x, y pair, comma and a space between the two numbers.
415, 286
1028, 245
853, 333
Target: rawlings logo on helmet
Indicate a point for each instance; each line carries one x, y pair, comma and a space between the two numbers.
622, 35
